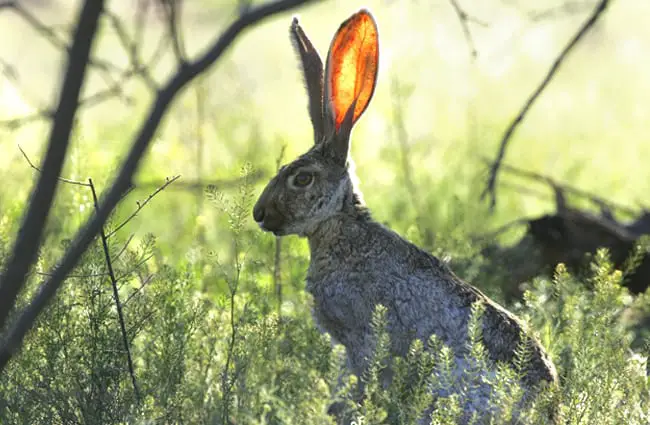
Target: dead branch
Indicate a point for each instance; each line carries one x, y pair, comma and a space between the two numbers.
494, 169
31, 231
18, 265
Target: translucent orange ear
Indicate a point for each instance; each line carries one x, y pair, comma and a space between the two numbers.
352, 67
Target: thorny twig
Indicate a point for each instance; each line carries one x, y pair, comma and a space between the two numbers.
494, 169
116, 297
142, 204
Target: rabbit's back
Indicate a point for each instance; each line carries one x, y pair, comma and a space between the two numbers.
358, 263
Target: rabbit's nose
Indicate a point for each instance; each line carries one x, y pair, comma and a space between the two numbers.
258, 213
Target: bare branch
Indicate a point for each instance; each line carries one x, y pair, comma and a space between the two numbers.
25, 321
29, 238
64, 180
491, 185
142, 205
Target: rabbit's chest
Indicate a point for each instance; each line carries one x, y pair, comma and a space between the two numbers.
340, 305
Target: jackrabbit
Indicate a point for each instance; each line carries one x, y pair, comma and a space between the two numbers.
357, 263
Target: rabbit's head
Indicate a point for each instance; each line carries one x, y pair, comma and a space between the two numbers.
319, 183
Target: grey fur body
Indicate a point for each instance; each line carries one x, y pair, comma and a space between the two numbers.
357, 263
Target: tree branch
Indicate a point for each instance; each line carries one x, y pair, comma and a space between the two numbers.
491, 185
122, 182
29, 237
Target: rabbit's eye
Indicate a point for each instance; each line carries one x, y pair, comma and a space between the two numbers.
303, 179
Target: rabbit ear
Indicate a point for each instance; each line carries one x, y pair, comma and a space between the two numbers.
351, 75
312, 68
